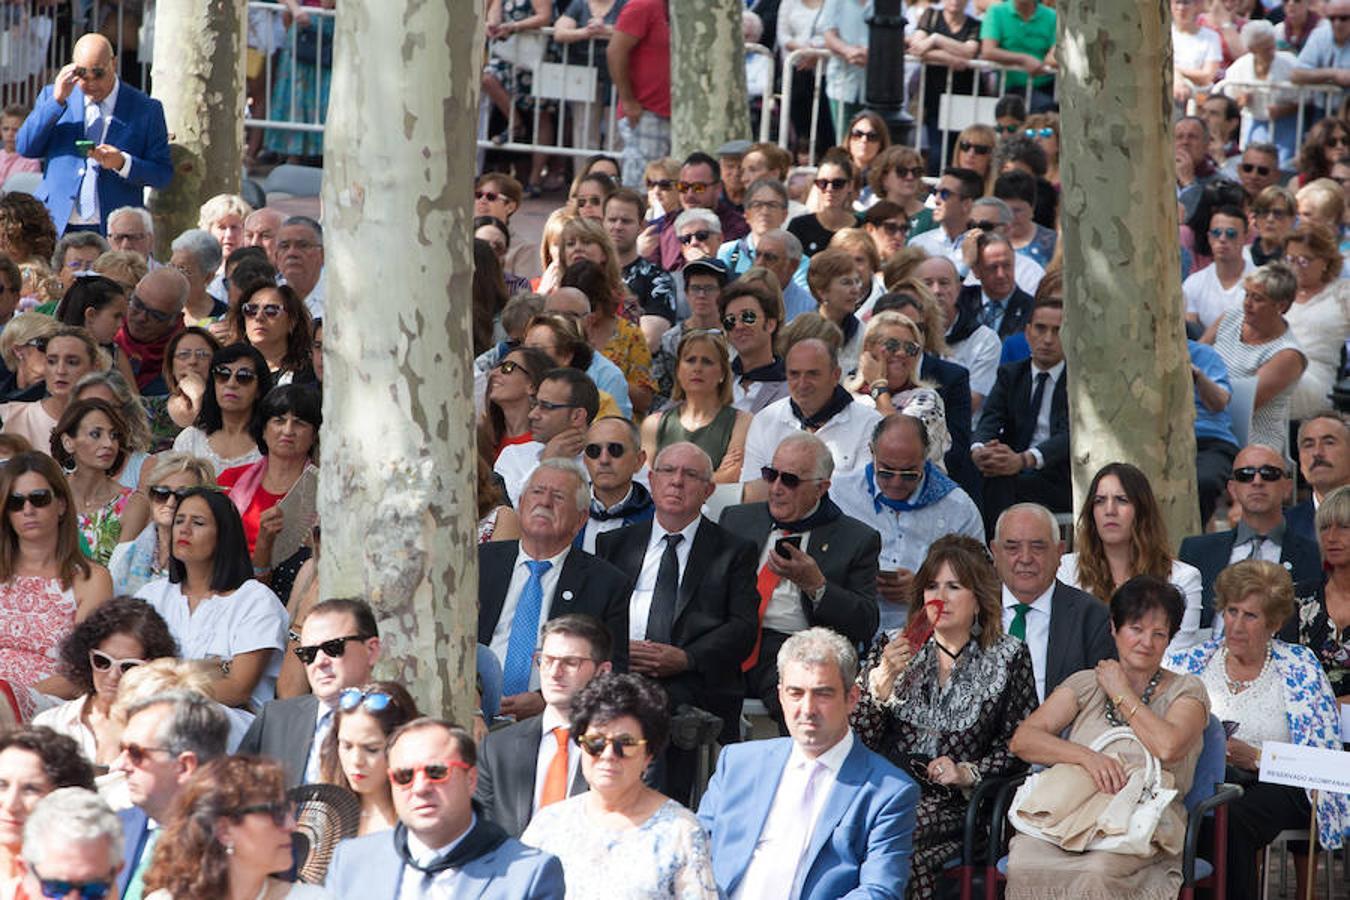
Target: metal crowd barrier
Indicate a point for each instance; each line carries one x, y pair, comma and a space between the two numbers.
1331, 97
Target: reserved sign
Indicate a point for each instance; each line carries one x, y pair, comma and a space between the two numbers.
1310, 768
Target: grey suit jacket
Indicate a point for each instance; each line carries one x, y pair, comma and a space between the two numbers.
506, 770
1080, 634
284, 731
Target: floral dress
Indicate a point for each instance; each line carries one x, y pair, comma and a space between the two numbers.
36, 615
102, 529
1316, 631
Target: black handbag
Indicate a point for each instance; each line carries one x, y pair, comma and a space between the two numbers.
307, 47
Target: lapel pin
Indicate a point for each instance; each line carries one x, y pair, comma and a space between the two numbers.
567, 595
824, 548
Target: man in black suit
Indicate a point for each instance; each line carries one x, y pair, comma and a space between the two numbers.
693, 605
1324, 457
826, 572
339, 644
996, 301
1022, 444
522, 584
1259, 485
1065, 629
534, 762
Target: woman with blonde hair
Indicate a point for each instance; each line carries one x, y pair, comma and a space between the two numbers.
888, 379
663, 197
1043, 128
550, 251
974, 150
23, 345
143, 557
71, 353
897, 175
126, 267
701, 411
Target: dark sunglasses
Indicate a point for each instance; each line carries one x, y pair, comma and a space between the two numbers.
40, 498
95, 71
895, 229
280, 812
38, 343
223, 374
1039, 132
333, 649
271, 310
59, 889
748, 317
373, 701
692, 187
161, 494
616, 450
507, 366
945, 194
902, 474
1006, 129
826, 184
1338, 140
595, 744
138, 305
1272, 213
136, 753
102, 662
790, 481
434, 773
986, 226
909, 348
1249, 168
1247, 474
1230, 233
859, 135
660, 184
977, 149
489, 196
699, 236
1338, 18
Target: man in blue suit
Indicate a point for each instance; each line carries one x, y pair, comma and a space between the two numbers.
815, 816
103, 141
442, 846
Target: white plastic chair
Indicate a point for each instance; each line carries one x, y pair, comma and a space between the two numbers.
294, 181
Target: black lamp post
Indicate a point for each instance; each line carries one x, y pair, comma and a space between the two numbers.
885, 88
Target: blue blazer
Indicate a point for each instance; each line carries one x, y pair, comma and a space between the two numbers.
369, 868
135, 829
137, 129
862, 842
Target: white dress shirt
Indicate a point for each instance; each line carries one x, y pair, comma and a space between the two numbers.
1042, 432
847, 435
321, 729
92, 111
1038, 631
548, 583
640, 606
784, 613
548, 748
444, 885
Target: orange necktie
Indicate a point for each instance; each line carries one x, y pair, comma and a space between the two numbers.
765, 585
555, 779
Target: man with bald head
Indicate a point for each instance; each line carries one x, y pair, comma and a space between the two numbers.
154, 316
103, 142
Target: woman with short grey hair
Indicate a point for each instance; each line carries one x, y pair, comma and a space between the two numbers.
197, 255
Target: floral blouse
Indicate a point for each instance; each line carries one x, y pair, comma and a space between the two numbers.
1317, 632
102, 529
628, 350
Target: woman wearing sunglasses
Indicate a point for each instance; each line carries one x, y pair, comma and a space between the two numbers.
974, 150
865, 138
223, 433
121, 635
33, 763
214, 607
701, 411
622, 836
231, 829
143, 557
23, 345
47, 586
897, 176
835, 187
888, 378
71, 354
353, 754
510, 388
274, 320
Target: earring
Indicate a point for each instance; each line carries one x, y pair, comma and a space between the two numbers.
976, 629
229, 849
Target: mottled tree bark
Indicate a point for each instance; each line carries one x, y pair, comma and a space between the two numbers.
399, 461
1124, 337
709, 104
199, 77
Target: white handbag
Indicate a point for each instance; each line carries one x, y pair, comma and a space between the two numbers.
1127, 823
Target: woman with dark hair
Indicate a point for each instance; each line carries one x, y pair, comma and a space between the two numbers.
71, 354
1121, 534
273, 319
497, 521
98, 305
27, 236
212, 604
489, 295
229, 831
836, 185
510, 389
588, 195
47, 586
1325, 142
865, 137
946, 710
33, 763
622, 832
897, 176
1166, 711
561, 339
113, 389
223, 433
498, 236
353, 754
119, 636
143, 557
187, 370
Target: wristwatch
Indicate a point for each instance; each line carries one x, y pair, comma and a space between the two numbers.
814, 596
878, 390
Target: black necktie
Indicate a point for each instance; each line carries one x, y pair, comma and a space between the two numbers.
661, 618
1037, 397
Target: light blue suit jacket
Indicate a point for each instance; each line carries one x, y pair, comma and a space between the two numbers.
369, 868
862, 841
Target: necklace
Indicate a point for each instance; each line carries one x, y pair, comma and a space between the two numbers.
1113, 715
953, 656
1237, 686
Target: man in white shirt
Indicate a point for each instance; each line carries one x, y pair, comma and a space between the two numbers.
564, 405
751, 315
970, 344
1218, 288
298, 256
613, 455
957, 191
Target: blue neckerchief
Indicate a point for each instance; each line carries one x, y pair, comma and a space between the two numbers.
932, 488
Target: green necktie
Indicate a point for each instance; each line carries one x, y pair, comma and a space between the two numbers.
1018, 628
136, 883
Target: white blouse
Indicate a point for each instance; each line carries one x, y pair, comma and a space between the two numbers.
1184, 577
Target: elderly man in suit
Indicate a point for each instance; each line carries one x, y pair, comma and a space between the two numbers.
102, 140
1065, 629
522, 584
443, 846
817, 566
1324, 457
339, 644
532, 763
817, 815
1259, 485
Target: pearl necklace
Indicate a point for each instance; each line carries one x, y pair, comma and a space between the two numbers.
1236, 686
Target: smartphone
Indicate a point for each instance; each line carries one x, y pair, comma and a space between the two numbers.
781, 545
84, 147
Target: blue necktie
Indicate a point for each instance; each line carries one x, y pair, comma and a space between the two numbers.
524, 631
88, 204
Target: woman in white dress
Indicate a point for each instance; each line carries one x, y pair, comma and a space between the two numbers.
1319, 319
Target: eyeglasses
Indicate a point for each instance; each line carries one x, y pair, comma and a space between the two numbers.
1230, 233
1247, 474
566, 663
763, 205
59, 889
507, 366
945, 194
908, 475
1301, 261
373, 701
121, 237
597, 202
893, 346
660, 184
986, 226
669, 471
333, 649
242, 375
748, 317
1006, 129
38, 343
489, 196
977, 149
790, 481
705, 290
549, 405
1249, 168
94, 71
102, 662
1039, 132
595, 744
692, 187
271, 310
895, 229
281, 812
138, 305
161, 494
768, 256
831, 184
40, 498
284, 246
136, 753
699, 236
859, 135
186, 354
434, 773
614, 448
1271, 213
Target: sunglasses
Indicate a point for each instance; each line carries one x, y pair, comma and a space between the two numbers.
790, 481
859, 135
699, 236
489, 196
895, 229
911, 171
373, 701
747, 317
40, 498
986, 226
94, 71
333, 649
38, 343
595, 744
909, 348
242, 375
1338, 140
692, 187
828, 184
1247, 474
434, 773
102, 662
271, 310
597, 202
506, 367
1249, 168
614, 448
59, 889
1271, 213
945, 194
136, 754
1338, 18
1039, 132
660, 184
138, 305
161, 494
1230, 233
909, 475
280, 813
977, 149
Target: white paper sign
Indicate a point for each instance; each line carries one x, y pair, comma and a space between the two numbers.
1310, 768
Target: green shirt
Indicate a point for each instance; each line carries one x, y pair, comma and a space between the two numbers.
1034, 36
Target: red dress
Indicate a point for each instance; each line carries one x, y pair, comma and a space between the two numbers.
262, 502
